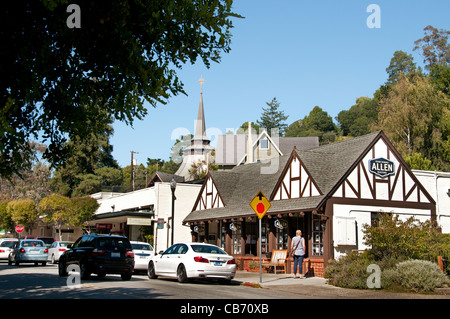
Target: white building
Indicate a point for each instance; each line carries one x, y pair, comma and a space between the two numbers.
126, 213
438, 186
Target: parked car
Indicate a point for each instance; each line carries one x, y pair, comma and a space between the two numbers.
28, 251
193, 260
30, 237
6, 245
47, 240
143, 252
56, 249
99, 254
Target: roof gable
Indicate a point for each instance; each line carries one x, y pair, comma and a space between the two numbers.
295, 181
208, 197
359, 182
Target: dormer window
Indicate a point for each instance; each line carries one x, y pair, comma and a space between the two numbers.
264, 144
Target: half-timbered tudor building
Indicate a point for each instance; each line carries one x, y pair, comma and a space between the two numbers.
328, 192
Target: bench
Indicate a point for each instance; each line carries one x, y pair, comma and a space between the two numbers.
278, 259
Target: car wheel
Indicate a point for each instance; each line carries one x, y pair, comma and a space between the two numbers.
181, 274
16, 263
53, 259
62, 269
126, 276
151, 271
101, 274
9, 261
44, 263
84, 273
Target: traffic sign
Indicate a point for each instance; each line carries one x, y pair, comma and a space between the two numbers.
260, 205
19, 229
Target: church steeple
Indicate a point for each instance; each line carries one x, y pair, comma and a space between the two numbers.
200, 126
199, 148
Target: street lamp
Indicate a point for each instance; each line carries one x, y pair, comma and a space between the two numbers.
173, 185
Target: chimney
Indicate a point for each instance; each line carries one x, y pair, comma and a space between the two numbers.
249, 144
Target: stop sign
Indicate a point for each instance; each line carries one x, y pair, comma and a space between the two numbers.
19, 228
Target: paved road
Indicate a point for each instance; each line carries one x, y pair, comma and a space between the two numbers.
43, 282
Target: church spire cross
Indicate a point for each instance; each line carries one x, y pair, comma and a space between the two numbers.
201, 81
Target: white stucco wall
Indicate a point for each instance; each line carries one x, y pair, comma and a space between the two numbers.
437, 185
185, 194
348, 221
127, 201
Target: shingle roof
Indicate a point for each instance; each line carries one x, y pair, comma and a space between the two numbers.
326, 164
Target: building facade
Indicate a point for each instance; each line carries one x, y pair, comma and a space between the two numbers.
328, 192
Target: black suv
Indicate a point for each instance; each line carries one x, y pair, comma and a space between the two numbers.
99, 254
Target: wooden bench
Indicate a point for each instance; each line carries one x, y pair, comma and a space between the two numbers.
278, 259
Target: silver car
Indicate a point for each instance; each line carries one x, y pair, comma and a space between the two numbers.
29, 251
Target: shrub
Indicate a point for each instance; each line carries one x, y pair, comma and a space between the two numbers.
349, 271
409, 239
415, 275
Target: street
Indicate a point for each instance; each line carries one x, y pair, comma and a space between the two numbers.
42, 282
41, 287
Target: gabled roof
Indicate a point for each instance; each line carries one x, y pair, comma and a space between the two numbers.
327, 165
231, 149
164, 177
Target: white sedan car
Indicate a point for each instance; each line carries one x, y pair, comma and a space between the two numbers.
193, 260
56, 250
143, 252
6, 245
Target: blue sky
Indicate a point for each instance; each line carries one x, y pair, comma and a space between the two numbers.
304, 53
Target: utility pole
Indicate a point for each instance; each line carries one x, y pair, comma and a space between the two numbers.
132, 170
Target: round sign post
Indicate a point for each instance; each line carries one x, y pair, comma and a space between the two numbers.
19, 229
260, 205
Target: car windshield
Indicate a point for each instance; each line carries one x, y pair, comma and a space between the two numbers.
33, 243
207, 249
48, 241
111, 242
142, 247
9, 244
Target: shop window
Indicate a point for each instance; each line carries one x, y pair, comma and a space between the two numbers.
223, 233
265, 231
236, 234
282, 238
317, 235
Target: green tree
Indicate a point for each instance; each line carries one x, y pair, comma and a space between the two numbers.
317, 123
417, 161
271, 118
358, 119
23, 211
83, 210
416, 116
56, 81
90, 166
401, 62
434, 47
440, 78
6, 221
57, 211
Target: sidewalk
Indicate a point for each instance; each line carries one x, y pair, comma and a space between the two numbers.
315, 287
270, 279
